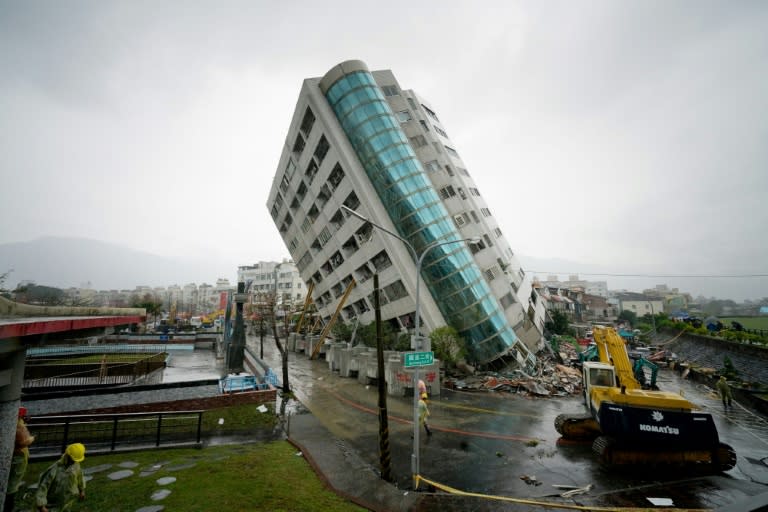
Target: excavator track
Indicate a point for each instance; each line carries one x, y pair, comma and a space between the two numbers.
577, 426
613, 455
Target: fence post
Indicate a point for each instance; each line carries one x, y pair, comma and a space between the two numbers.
199, 425
159, 424
66, 435
114, 433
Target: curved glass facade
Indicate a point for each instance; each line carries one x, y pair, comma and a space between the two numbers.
448, 271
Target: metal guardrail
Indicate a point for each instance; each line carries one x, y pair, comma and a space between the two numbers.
113, 432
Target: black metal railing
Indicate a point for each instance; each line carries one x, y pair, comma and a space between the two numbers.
113, 432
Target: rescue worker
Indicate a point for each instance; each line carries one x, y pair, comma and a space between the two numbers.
19, 461
725, 392
62, 483
424, 413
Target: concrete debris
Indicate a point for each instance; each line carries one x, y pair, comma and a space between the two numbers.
530, 480
550, 379
580, 490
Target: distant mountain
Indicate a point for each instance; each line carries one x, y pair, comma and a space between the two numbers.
73, 262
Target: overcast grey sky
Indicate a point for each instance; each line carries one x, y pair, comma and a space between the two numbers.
631, 135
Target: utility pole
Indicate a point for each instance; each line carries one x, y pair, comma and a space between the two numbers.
236, 352
385, 458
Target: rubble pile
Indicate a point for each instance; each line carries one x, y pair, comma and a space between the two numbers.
550, 379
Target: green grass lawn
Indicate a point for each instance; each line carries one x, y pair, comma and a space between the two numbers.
750, 322
243, 477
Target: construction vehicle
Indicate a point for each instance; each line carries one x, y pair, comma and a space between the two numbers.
635, 427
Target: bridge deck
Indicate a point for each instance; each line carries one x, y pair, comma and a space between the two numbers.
16, 327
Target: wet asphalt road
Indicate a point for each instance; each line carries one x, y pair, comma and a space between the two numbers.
488, 442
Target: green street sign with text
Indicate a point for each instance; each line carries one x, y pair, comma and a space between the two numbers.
419, 359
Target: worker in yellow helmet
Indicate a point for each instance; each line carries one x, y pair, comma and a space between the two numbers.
19, 461
62, 483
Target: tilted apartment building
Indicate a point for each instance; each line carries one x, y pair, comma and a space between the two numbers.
358, 139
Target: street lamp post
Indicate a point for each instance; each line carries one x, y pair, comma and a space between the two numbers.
416, 340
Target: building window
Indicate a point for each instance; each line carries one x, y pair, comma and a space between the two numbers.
403, 116
424, 125
337, 174
438, 147
474, 192
491, 273
432, 166
311, 171
451, 151
352, 202
488, 240
381, 261
305, 225
486, 212
307, 122
390, 90
441, 132
477, 247
395, 291
418, 141
463, 171
497, 232
382, 299
430, 113
459, 220
474, 216
298, 146
324, 236
462, 193
304, 261
284, 183
412, 103
302, 191
321, 149
290, 168
447, 192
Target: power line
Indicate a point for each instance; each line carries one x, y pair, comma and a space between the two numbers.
708, 276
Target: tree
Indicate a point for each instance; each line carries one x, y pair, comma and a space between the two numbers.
152, 305
269, 303
628, 316
3, 278
447, 345
558, 324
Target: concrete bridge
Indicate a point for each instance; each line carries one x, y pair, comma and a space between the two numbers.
24, 325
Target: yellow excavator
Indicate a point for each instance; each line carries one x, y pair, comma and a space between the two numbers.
632, 426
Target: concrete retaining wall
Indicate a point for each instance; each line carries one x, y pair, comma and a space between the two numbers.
213, 402
360, 363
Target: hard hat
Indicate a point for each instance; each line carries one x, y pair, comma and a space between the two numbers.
76, 452
22, 412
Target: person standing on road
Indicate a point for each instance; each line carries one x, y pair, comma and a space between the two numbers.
424, 413
19, 461
62, 483
725, 392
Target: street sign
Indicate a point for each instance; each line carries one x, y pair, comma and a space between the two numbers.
419, 359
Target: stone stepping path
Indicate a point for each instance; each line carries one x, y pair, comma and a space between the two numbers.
127, 470
96, 469
119, 475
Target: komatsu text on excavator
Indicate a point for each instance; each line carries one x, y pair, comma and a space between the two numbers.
632, 426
